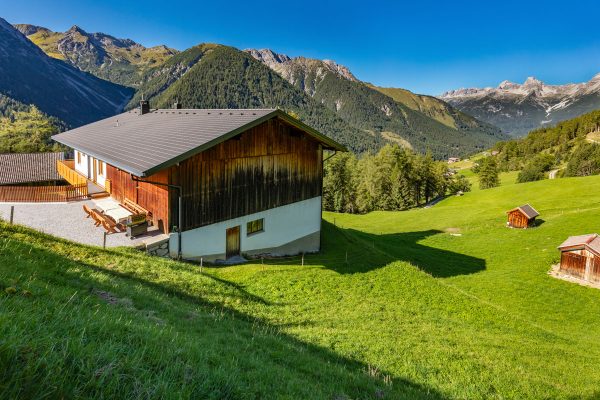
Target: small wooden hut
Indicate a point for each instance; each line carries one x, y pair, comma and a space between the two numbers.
522, 217
580, 257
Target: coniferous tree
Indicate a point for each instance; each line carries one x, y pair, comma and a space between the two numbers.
392, 179
488, 173
27, 132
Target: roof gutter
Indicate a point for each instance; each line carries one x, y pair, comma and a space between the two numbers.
179, 208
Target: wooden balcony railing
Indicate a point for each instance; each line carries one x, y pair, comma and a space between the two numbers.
43, 193
66, 169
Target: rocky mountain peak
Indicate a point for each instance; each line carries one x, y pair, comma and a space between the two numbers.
506, 85
532, 82
28, 29
268, 56
76, 29
281, 63
340, 70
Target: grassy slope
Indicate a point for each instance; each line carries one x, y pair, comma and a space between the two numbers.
429, 105
417, 312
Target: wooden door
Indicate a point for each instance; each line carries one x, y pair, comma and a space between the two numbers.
232, 246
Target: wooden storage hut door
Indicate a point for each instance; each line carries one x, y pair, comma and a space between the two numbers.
573, 264
232, 246
517, 220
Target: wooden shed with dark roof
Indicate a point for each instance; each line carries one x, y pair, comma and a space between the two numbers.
580, 257
221, 182
522, 217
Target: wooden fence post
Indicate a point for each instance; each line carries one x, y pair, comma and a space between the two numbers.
12, 214
104, 241
201, 261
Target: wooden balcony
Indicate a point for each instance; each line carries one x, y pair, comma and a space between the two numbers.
66, 169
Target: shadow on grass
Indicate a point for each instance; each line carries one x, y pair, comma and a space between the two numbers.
300, 367
538, 222
376, 251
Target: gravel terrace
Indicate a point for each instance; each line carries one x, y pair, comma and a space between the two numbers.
68, 221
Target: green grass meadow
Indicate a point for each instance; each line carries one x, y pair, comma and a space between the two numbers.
438, 303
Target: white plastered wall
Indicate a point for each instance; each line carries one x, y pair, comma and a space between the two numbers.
282, 225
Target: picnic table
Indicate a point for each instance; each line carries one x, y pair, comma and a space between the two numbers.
113, 209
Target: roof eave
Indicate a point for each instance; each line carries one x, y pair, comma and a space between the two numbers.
107, 160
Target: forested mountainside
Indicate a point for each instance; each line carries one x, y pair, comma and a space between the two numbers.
519, 108
117, 60
443, 130
572, 146
29, 76
215, 76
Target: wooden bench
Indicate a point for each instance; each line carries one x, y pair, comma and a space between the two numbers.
105, 221
97, 217
137, 209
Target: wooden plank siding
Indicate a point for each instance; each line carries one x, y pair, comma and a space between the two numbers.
268, 166
573, 264
154, 198
595, 270
516, 219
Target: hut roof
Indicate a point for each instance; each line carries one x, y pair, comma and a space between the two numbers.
590, 241
527, 210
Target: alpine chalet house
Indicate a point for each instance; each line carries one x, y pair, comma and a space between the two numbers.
219, 182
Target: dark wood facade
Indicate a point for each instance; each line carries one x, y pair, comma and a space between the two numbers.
268, 166
517, 219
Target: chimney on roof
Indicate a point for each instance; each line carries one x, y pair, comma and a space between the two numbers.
177, 105
144, 107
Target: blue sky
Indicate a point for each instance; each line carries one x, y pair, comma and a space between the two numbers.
425, 46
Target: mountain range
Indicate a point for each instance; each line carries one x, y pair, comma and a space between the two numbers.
117, 60
322, 93
397, 115
29, 76
519, 108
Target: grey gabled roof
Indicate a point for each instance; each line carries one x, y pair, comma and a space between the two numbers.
145, 144
590, 241
527, 210
18, 168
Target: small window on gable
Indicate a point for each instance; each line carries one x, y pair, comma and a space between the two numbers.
78, 158
101, 167
256, 226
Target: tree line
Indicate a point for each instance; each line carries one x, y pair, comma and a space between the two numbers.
546, 148
28, 130
394, 178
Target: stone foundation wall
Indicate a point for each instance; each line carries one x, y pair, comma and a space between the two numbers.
159, 249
